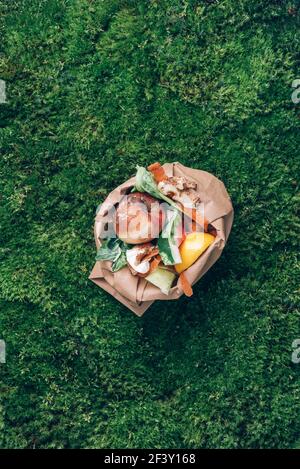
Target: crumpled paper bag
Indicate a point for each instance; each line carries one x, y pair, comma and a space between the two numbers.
135, 292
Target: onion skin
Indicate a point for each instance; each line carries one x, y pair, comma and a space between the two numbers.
139, 218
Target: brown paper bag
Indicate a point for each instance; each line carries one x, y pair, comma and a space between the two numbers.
135, 292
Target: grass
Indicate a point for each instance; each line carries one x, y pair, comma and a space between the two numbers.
93, 88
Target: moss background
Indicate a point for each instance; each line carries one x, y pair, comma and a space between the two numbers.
93, 88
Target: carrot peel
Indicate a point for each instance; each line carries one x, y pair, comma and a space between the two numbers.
154, 263
157, 171
185, 284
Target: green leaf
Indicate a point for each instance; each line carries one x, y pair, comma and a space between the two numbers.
120, 262
145, 183
109, 250
113, 249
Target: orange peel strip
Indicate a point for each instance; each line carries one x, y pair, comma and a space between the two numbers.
154, 263
157, 171
186, 286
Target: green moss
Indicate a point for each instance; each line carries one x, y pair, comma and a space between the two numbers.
93, 88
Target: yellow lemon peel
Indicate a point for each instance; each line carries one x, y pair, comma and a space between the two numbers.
191, 249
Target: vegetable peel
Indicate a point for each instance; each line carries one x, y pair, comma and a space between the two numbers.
185, 284
191, 249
